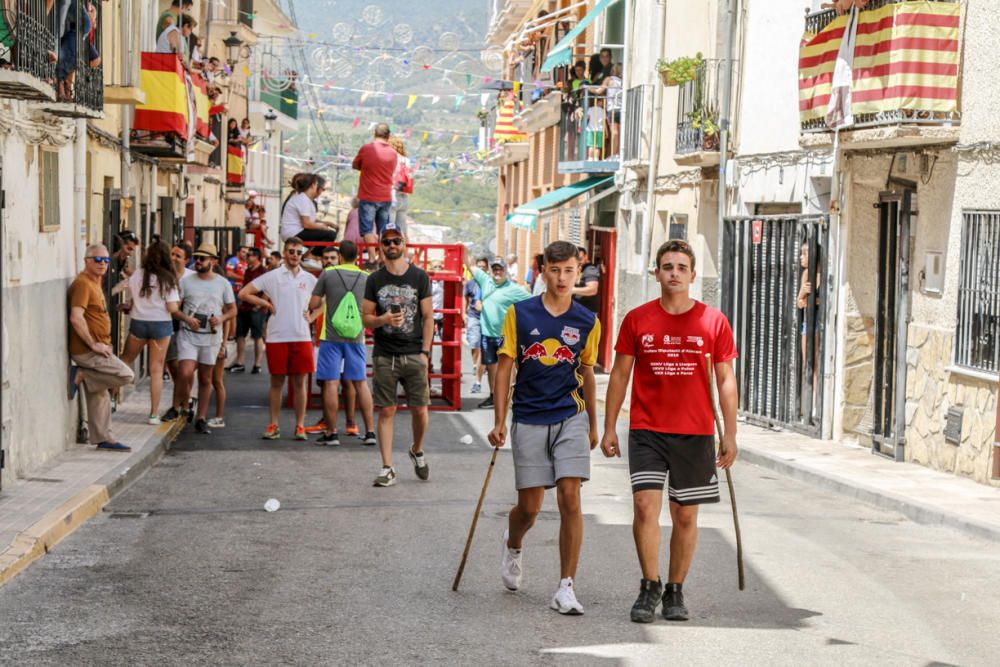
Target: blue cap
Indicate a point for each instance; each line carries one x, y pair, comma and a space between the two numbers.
391, 227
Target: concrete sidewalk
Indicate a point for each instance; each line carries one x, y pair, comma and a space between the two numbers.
924, 495
40, 510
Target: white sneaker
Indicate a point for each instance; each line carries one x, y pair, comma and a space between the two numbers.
217, 422
510, 565
564, 601
154, 420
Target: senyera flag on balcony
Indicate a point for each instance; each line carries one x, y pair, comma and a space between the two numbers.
161, 77
905, 59
504, 130
234, 165
203, 129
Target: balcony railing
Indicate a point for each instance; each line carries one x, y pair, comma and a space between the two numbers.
590, 133
26, 38
934, 66
281, 94
79, 74
634, 147
698, 111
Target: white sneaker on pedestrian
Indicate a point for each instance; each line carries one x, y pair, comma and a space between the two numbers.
510, 565
154, 420
564, 601
217, 422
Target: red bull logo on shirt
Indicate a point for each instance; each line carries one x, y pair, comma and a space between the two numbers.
549, 352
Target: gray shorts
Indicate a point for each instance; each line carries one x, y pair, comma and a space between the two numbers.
545, 454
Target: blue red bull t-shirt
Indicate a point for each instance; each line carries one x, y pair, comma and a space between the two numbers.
548, 352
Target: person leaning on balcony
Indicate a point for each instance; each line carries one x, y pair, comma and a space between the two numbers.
172, 15
97, 368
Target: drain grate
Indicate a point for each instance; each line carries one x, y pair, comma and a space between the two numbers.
128, 515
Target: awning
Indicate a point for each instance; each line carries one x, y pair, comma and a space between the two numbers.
562, 53
526, 215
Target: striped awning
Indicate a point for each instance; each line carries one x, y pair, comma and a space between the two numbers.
504, 130
161, 77
562, 53
905, 58
526, 215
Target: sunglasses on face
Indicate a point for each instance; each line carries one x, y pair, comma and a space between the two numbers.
101, 260
395, 240
295, 252
202, 259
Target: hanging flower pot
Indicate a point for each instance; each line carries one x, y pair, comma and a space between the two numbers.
680, 71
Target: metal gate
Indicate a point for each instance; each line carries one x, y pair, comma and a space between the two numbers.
113, 225
892, 315
226, 239
777, 321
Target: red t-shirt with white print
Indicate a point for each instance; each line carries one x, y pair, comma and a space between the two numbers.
669, 379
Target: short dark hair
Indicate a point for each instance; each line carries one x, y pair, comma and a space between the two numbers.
186, 3
582, 249
293, 240
559, 251
329, 248
483, 258
254, 252
186, 247
275, 254
348, 251
675, 245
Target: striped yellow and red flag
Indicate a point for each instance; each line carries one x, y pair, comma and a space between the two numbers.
203, 129
504, 130
905, 59
234, 165
161, 77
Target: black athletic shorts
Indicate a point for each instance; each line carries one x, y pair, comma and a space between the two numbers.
689, 460
250, 322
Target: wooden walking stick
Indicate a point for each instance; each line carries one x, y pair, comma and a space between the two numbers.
729, 476
475, 519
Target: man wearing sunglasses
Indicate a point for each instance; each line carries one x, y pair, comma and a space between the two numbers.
398, 308
97, 368
289, 341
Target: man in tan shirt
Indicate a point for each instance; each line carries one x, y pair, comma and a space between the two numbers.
97, 368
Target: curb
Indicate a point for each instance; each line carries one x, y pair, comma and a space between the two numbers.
58, 524
916, 511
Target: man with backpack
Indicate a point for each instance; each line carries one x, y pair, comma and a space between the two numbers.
342, 348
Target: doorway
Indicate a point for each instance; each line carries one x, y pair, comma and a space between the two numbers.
601, 243
892, 316
775, 294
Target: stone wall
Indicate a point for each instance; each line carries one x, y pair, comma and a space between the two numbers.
931, 389
858, 370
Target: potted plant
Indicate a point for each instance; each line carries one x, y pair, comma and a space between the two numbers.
706, 120
680, 71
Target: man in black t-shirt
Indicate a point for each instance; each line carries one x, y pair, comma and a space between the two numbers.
398, 308
589, 283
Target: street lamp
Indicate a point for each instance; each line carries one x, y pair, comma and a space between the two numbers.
233, 45
269, 118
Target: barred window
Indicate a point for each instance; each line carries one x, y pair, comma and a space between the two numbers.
977, 336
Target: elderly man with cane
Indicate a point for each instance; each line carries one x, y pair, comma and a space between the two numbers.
662, 345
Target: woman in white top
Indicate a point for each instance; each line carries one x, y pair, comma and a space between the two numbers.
612, 87
154, 301
400, 199
298, 213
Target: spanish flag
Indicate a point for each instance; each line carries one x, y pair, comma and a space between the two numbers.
166, 109
234, 166
905, 59
201, 104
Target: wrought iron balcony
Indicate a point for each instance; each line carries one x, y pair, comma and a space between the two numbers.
79, 74
698, 115
590, 133
27, 71
894, 84
636, 144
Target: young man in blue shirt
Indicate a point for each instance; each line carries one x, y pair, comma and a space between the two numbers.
553, 342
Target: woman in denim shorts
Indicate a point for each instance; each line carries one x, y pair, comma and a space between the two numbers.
154, 299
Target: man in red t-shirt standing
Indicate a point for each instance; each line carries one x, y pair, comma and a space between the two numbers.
671, 425
377, 163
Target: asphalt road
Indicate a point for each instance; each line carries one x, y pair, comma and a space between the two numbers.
186, 568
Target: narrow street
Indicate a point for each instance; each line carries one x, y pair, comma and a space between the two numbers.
185, 567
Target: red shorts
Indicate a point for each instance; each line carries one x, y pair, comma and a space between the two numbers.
290, 358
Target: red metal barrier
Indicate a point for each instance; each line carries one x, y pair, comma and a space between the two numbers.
448, 364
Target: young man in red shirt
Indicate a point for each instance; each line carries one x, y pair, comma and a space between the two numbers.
662, 345
377, 163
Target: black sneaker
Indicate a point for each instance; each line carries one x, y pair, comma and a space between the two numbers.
644, 609
673, 603
370, 438
237, 368
420, 466
486, 402
255, 370
170, 415
329, 439
201, 426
